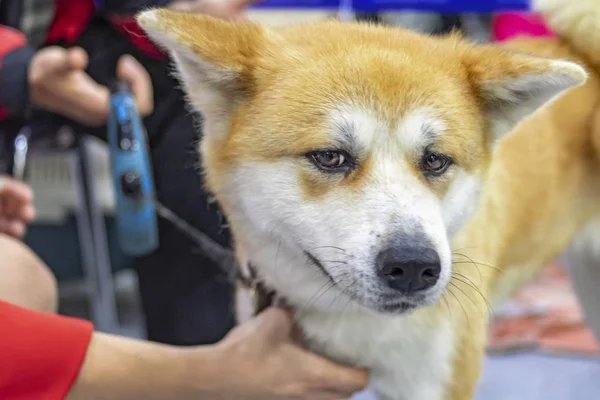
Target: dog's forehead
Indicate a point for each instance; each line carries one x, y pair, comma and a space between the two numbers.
361, 129
369, 87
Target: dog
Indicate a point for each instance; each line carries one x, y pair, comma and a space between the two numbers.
350, 160
531, 216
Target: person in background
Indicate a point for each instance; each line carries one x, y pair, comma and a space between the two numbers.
52, 357
509, 25
57, 59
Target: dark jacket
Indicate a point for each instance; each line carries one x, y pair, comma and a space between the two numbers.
49, 22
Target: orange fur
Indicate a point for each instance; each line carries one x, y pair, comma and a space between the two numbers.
276, 87
542, 188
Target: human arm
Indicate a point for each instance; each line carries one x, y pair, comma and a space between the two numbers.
41, 353
255, 361
49, 356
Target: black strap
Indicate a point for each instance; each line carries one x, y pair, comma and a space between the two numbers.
263, 297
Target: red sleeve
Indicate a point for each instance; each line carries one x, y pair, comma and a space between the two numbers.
40, 353
15, 56
129, 27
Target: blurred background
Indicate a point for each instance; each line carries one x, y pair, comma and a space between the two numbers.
540, 347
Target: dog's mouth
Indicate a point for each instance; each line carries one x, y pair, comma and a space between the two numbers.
387, 303
397, 308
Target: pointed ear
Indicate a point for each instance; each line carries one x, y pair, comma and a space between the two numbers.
512, 86
217, 61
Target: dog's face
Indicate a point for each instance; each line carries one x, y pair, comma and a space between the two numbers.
346, 155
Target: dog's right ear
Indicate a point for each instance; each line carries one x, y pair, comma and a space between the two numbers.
217, 61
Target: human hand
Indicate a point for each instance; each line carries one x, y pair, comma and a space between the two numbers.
225, 9
16, 206
258, 360
58, 83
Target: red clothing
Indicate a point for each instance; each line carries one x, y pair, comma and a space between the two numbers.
40, 353
508, 25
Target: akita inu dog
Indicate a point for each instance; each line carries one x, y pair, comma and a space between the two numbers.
346, 158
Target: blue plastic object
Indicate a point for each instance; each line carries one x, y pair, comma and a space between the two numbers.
441, 6
137, 229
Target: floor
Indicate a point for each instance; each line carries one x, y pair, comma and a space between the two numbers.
535, 377
521, 376
539, 377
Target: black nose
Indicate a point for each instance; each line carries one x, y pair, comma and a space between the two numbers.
409, 269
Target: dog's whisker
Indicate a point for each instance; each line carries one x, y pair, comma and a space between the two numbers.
323, 289
470, 259
476, 266
277, 257
468, 297
470, 283
467, 248
330, 247
477, 263
461, 306
330, 284
447, 305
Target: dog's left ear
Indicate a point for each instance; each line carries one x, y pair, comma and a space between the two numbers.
217, 61
511, 86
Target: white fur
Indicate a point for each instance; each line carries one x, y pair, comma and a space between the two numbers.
392, 201
415, 127
513, 99
460, 202
409, 355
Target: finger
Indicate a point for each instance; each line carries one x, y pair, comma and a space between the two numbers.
26, 213
296, 335
129, 69
15, 228
4, 223
10, 206
78, 58
333, 377
55, 60
12, 227
59, 59
275, 324
90, 100
15, 190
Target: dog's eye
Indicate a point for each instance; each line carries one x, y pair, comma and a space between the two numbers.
329, 159
435, 163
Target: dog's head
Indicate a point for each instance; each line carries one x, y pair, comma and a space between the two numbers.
346, 155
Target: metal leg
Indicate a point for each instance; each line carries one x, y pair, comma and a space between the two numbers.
94, 247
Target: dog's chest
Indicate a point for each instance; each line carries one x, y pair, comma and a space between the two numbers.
409, 357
